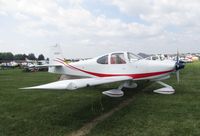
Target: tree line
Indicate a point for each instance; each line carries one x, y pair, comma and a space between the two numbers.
8, 56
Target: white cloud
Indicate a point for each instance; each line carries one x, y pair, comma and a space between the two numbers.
165, 24
163, 12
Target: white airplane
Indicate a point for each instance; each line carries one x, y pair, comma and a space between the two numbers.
124, 67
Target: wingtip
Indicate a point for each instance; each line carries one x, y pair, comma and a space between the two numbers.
26, 88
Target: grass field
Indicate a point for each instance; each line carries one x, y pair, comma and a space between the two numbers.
42, 113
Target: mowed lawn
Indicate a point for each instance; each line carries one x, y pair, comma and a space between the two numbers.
44, 113
53, 112
159, 115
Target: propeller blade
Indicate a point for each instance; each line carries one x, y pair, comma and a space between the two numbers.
177, 57
178, 76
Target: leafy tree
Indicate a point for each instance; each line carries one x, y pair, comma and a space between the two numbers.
24, 56
10, 56
19, 57
6, 56
31, 56
41, 57
1, 56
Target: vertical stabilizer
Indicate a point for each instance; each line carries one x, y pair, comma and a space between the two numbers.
55, 55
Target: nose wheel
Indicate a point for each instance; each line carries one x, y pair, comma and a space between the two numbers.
167, 89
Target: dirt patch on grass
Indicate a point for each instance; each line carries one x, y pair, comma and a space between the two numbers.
89, 126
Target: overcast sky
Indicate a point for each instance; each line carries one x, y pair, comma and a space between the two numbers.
86, 28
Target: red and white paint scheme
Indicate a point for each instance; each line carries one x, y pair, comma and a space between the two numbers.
123, 67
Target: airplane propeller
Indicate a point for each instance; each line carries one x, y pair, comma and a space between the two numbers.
178, 76
179, 65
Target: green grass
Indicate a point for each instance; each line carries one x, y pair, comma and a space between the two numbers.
41, 113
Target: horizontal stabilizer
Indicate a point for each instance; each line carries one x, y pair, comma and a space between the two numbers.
80, 83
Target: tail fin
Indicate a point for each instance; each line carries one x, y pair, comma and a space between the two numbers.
56, 54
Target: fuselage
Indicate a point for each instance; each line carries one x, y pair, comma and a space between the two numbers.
117, 64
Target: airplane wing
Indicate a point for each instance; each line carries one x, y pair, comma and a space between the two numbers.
49, 65
80, 83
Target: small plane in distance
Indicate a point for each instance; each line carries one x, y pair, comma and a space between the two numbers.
124, 67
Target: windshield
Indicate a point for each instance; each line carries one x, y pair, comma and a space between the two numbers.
155, 57
133, 57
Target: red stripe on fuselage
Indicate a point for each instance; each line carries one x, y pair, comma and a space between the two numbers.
134, 76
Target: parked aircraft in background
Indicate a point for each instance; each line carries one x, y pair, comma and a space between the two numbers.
191, 58
32, 65
11, 64
124, 67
